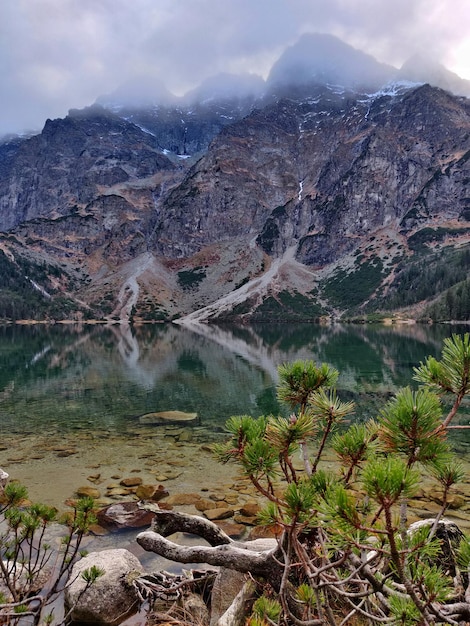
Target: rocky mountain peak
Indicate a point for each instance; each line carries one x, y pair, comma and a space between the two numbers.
314, 196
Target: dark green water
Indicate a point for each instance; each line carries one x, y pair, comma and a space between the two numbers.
94, 377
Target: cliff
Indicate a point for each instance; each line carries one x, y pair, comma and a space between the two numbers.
301, 201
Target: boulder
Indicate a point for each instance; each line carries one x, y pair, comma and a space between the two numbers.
197, 609
124, 515
21, 580
3, 480
169, 612
449, 536
237, 613
111, 598
229, 583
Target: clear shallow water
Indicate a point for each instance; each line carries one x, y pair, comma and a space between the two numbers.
71, 397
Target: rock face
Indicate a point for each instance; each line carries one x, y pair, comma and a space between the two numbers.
242, 206
327, 174
104, 150
112, 598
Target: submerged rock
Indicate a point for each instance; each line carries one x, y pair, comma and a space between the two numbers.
219, 513
132, 481
88, 492
151, 492
165, 417
124, 515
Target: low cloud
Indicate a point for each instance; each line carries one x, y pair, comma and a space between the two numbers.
56, 55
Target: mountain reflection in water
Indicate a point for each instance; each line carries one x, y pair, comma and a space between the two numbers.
104, 376
71, 396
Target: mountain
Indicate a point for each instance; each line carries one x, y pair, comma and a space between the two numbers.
185, 126
326, 59
420, 69
329, 191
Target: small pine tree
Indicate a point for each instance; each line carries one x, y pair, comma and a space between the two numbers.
344, 546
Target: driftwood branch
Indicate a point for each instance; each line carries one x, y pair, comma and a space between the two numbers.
458, 611
241, 559
166, 523
258, 559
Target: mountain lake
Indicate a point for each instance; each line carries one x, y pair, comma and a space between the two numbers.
77, 401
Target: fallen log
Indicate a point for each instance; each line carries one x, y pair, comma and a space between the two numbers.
260, 557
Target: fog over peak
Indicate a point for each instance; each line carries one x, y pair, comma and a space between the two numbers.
325, 58
56, 55
139, 91
227, 86
315, 59
425, 69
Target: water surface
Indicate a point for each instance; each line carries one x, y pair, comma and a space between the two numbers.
71, 396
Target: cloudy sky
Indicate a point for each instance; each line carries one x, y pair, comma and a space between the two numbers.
62, 54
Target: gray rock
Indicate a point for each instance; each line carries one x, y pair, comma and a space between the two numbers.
3, 480
229, 584
449, 536
112, 598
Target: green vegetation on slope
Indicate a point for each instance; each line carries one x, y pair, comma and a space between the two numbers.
285, 306
422, 278
419, 240
190, 279
347, 290
26, 291
454, 304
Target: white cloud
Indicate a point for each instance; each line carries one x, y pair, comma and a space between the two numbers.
61, 54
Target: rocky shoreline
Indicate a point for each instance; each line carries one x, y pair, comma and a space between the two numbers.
231, 504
